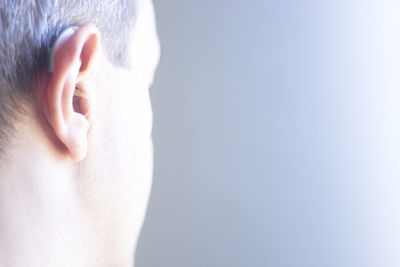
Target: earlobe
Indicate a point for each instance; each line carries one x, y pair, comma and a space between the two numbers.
72, 67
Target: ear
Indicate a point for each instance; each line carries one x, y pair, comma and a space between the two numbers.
69, 88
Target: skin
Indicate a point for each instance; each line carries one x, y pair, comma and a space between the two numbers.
74, 188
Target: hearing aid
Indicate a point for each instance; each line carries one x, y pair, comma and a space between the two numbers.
61, 39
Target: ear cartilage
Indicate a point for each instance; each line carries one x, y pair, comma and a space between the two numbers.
61, 39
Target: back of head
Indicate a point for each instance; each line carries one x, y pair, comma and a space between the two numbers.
76, 150
27, 31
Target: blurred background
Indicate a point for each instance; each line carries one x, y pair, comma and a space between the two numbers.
277, 135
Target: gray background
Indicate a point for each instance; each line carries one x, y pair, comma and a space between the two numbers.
276, 135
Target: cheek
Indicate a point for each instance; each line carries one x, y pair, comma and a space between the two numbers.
136, 155
128, 151
133, 139
138, 115
125, 121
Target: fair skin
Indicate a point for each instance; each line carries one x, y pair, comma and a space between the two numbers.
74, 188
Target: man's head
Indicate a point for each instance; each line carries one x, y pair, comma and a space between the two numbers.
97, 166
29, 29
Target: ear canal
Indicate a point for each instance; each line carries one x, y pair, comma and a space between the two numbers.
81, 102
80, 93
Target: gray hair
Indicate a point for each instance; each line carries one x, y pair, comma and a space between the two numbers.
29, 27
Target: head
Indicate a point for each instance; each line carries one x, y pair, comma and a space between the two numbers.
89, 118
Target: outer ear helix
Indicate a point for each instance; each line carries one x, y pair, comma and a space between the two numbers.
69, 100
61, 39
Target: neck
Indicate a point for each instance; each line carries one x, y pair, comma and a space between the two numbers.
37, 204
42, 212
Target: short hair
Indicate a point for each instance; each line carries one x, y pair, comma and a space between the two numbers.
28, 29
